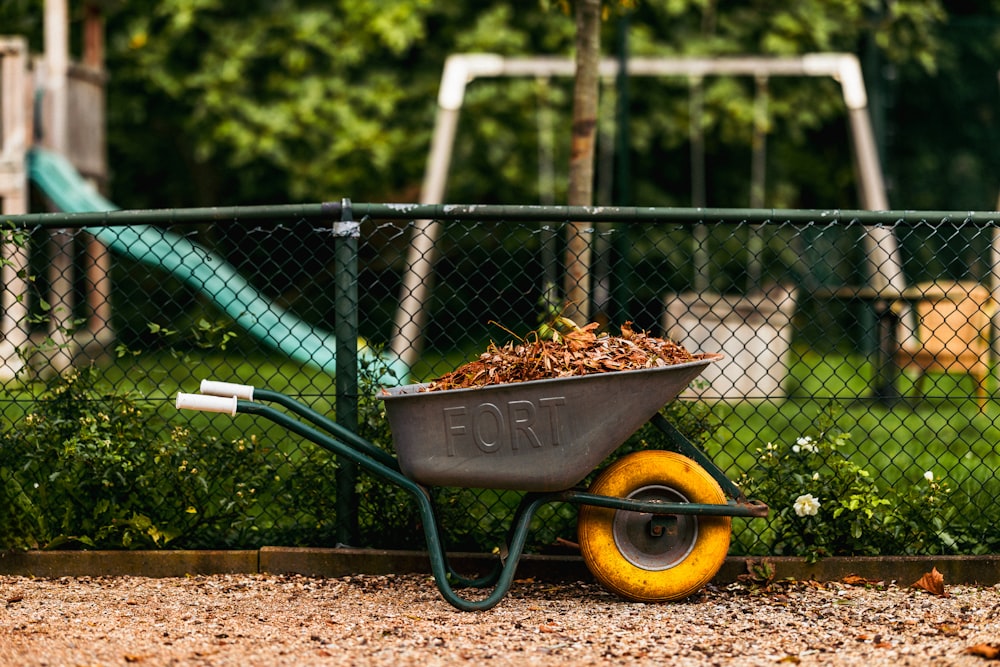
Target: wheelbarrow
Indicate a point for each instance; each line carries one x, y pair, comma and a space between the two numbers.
653, 526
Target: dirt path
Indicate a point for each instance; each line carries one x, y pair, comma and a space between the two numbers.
402, 620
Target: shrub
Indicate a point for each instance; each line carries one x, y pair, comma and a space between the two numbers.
89, 468
823, 504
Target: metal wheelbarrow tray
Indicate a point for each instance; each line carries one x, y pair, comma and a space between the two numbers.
654, 525
542, 435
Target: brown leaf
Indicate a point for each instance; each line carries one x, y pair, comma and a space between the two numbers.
987, 651
581, 338
579, 352
857, 580
948, 628
932, 582
759, 573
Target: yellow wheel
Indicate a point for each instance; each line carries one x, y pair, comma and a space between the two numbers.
650, 559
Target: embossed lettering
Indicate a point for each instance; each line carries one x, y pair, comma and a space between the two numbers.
492, 427
453, 429
552, 406
522, 417
488, 427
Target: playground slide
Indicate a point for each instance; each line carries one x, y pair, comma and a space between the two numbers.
196, 266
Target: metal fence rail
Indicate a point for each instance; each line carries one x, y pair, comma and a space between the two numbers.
828, 320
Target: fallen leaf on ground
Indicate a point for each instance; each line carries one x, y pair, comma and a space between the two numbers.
932, 582
759, 573
949, 628
987, 651
856, 580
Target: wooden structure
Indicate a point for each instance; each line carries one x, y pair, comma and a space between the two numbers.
71, 121
953, 333
15, 134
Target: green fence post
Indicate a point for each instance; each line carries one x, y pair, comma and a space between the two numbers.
346, 233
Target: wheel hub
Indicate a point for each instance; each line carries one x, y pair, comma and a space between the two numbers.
647, 540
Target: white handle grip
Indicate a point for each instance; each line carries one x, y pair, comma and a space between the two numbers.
227, 389
207, 403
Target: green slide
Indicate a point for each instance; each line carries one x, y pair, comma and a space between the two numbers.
200, 269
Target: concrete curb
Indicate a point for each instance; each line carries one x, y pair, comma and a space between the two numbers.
51, 564
981, 570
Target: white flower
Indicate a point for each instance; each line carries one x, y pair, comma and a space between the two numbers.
929, 476
804, 443
806, 505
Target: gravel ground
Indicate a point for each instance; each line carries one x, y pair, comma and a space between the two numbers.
402, 620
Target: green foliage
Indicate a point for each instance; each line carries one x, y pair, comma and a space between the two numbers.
823, 504
275, 101
110, 475
387, 514
202, 335
87, 467
295, 88
295, 100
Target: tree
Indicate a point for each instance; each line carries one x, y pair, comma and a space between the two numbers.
581, 162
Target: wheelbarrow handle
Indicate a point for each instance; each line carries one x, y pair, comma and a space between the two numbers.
227, 389
226, 404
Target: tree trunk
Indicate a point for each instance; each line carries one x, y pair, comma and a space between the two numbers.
581, 161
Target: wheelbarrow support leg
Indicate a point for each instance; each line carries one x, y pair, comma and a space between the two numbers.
503, 576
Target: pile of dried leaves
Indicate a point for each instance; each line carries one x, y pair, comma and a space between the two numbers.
579, 351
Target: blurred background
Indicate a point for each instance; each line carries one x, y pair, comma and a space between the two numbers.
228, 102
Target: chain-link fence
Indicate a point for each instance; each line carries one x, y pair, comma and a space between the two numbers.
874, 325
